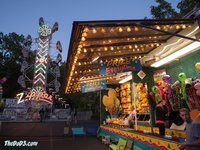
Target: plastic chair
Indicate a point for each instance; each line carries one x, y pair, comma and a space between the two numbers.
78, 131
91, 131
120, 145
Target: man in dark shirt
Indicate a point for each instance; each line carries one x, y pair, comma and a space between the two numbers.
41, 112
161, 112
107, 114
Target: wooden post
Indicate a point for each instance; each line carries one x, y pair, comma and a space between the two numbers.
100, 106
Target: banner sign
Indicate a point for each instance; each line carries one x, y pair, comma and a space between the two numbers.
119, 66
35, 94
93, 86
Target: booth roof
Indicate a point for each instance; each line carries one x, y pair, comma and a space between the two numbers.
111, 40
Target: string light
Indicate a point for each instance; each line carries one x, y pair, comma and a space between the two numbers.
128, 29
103, 30
86, 29
84, 34
83, 39
85, 50
158, 27
178, 27
136, 29
94, 31
183, 26
120, 29
119, 49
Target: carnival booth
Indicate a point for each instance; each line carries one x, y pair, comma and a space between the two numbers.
136, 65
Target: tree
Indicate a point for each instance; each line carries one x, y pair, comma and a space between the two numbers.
164, 10
62, 79
11, 60
186, 6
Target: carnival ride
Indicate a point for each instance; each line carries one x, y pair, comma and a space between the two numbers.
43, 90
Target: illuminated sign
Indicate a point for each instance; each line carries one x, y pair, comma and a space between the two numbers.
93, 86
119, 66
44, 30
37, 95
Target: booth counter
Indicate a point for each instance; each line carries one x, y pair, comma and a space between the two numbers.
143, 138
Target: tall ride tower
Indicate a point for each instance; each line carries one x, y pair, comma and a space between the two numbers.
40, 87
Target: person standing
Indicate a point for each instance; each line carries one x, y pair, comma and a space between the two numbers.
192, 129
75, 115
161, 112
120, 112
131, 117
41, 112
2, 81
107, 113
185, 116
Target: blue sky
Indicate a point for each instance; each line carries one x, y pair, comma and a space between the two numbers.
21, 16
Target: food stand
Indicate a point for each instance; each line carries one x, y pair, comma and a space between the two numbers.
109, 50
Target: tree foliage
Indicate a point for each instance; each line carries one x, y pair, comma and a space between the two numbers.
84, 102
186, 6
10, 61
164, 9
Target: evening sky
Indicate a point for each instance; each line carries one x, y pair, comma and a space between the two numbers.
21, 16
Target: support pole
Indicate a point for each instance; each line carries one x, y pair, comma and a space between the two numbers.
167, 32
100, 106
135, 107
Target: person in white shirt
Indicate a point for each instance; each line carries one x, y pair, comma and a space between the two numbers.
131, 117
192, 129
185, 117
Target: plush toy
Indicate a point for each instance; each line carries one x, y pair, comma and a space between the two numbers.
111, 101
160, 89
168, 92
175, 85
167, 79
197, 86
182, 77
197, 66
157, 96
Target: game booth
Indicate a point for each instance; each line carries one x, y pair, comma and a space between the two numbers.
134, 65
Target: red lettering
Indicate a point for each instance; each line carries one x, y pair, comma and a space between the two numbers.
39, 95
